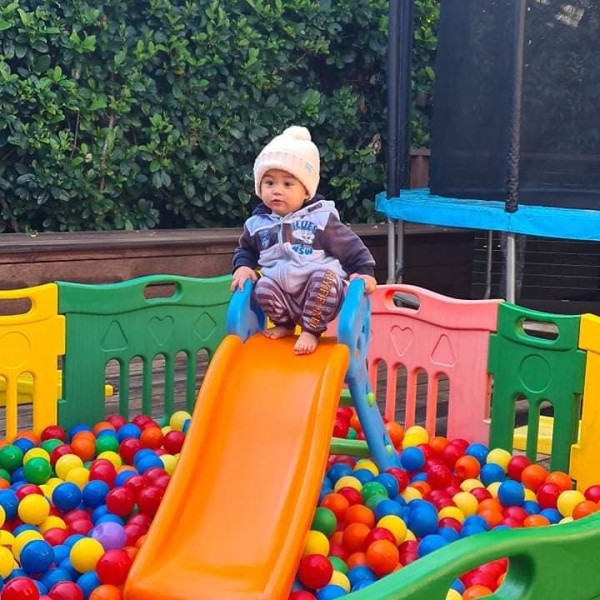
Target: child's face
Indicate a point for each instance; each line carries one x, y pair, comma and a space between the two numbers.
282, 192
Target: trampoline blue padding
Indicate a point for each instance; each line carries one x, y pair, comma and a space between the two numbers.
420, 206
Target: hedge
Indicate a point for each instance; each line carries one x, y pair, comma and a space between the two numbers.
150, 114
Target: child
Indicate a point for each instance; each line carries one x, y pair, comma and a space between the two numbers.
296, 238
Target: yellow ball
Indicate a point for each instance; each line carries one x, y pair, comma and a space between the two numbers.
35, 453
567, 501
165, 429
338, 578
169, 462
33, 509
347, 481
7, 562
470, 484
452, 511
112, 457
65, 463
493, 488
394, 525
85, 553
368, 464
20, 540
178, 419
316, 543
417, 433
466, 502
410, 536
499, 456
52, 522
411, 493
6, 538
529, 495
452, 594
79, 476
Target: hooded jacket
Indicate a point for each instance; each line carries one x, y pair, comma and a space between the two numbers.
288, 249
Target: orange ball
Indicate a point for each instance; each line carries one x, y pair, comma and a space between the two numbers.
355, 423
337, 503
336, 537
356, 559
422, 486
359, 513
396, 433
152, 437
490, 504
28, 435
533, 476
467, 467
4, 484
561, 479
101, 426
84, 447
492, 517
585, 508
354, 537
382, 557
438, 443
535, 521
476, 591
106, 592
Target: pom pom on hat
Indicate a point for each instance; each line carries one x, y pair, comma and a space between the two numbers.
292, 151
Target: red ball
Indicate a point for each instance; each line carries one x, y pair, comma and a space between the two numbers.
149, 498
120, 501
66, 590
151, 475
481, 494
336, 549
56, 536
450, 454
116, 421
103, 470
135, 483
301, 595
439, 475
592, 493
515, 512
74, 515
53, 432
81, 526
547, 495
20, 588
352, 495
173, 441
450, 522
516, 465
379, 533
345, 412
401, 476
341, 428
113, 567
143, 421
315, 571
128, 449
134, 533
59, 451
408, 552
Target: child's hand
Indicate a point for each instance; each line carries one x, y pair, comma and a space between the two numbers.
240, 276
370, 282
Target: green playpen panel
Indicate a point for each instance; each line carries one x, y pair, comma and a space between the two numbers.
542, 368
122, 322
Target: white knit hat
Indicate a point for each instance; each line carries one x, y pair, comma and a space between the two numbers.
294, 152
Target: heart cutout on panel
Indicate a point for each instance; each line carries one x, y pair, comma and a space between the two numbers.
402, 338
161, 328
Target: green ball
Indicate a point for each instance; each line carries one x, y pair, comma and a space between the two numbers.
37, 470
49, 445
338, 564
107, 443
4, 474
352, 434
372, 501
373, 488
324, 521
11, 457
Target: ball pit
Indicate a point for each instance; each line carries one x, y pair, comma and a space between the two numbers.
78, 504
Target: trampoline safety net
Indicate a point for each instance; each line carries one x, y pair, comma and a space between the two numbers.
559, 161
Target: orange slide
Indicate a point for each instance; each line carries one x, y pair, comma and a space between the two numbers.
233, 522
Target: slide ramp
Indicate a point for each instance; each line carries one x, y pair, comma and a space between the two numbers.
234, 519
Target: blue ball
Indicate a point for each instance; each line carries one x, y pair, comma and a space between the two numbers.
23, 527
449, 533
337, 471
432, 542
458, 585
330, 591
88, 582
362, 584
360, 573
109, 518
476, 521
65, 564
54, 576
389, 482
42, 588
412, 458
422, 518
61, 552
36, 556
75, 537
478, 451
531, 507
18, 475
388, 507
128, 430
95, 492
552, 514
123, 476
9, 502
490, 473
141, 454
66, 496
107, 433
419, 477
77, 428
24, 444
149, 462
363, 475
511, 493
99, 512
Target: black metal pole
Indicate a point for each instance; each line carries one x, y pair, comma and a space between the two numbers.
400, 34
514, 143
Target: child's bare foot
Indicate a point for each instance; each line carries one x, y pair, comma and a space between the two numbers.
306, 343
279, 331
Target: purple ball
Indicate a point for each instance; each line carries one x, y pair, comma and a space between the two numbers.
111, 535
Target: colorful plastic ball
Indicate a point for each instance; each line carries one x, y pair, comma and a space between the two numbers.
360, 573
340, 579
66, 496
533, 476
390, 507
24, 443
85, 553
432, 542
561, 479
20, 588
84, 446
568, 500
116, 420
33, 509
511, 493
584, 508
316, 543
491, 473
467, 467
128, 430
65, 463
337, 503
412, 459
592, 493
103, 470
169, 462
54, 576
500, 457
7, 561
178, 418
354, 537
66, 590
453, 595
94, 493
324, 520
382, 557
36, 556
148, 462
173, 441
9, 502
11, 457
113, 567
314, 571
111, 535
88, 582
55, 535
330, 592
422, 518
547, 495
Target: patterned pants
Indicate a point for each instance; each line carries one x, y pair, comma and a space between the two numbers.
313, 308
